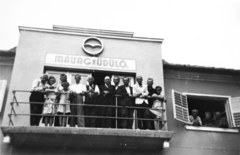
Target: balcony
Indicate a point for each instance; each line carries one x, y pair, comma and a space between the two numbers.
82, 137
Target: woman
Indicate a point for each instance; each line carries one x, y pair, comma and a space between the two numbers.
49, 108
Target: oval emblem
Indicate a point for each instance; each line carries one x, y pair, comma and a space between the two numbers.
92, 46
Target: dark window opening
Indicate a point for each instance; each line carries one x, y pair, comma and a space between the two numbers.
207, 104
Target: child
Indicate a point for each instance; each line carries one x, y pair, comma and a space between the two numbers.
64, 104
156, 111
49, 108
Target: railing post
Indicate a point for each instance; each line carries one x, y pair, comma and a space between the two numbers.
116, 121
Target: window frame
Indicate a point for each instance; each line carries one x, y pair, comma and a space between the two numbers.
69, 75
228, 110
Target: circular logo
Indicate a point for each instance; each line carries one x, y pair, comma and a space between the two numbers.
92, 46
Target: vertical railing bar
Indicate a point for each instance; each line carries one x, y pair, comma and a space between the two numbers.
13, 111
14, 97
135, 119
64, 109
116, 121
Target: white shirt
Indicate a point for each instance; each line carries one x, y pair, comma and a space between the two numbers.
37, 85
78, 88
140, 89
128, 89
116, 87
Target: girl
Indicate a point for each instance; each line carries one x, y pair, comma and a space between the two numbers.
64, 104
49, 108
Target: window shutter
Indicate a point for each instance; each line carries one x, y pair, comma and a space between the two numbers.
235, 109
180, 107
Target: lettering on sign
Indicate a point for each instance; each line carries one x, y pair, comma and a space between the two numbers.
90, 62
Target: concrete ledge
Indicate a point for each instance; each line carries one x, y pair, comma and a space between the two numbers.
85, 137
202, 128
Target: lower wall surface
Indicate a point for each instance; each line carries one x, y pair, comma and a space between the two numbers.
186, 142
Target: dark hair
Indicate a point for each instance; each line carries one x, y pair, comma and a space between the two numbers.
77, 75
51, 77
65, 84
150, 79
63, 75
195, 110
116, 77
158, 87
126, 78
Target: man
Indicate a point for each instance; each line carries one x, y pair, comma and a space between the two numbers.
116, 81
141, 101
37, 96
78, 91
107, 98
91, 98
126, 92
194, 119
151, 91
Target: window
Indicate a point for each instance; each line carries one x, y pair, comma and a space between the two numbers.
70, 76
184, 103
131, 79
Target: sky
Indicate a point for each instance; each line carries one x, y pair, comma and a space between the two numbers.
195, 32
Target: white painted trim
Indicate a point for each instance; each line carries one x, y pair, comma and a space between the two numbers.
219, 96
174, 105
89, 35
206, 95
201, 128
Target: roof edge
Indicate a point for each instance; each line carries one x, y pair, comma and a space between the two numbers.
23, 28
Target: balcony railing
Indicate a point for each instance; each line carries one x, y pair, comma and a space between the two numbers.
13, 112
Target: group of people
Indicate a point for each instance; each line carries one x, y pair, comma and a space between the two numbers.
63, 103
216, 121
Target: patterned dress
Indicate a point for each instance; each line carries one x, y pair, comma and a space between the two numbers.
49, 107
64, 103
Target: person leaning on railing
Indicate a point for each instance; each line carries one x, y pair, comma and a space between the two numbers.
77, 91
141, 93
156, 111
64, 104
151, 91
49, 108
107, 98
91, 98
126, 99
37, 99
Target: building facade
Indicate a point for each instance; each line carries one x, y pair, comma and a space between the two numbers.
100, 53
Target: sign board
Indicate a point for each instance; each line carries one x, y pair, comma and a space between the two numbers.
3, 84
96, 63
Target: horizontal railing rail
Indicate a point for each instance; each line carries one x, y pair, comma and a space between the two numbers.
116, 107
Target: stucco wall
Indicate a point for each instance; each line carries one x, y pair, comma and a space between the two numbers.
33, 46
200, 142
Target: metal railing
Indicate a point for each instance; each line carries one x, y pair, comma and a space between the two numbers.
116, 106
